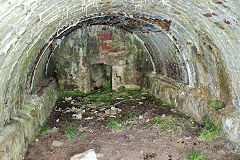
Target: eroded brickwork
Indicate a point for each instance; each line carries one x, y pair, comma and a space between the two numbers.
72, 60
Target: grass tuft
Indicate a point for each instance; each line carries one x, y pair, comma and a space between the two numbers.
80, 136
71, 132
196, 156
211, 131
114, 124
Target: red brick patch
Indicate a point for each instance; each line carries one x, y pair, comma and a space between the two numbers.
117, 57
38, 20
113, 50
84, 60
106, 47
207, 15
164, 24
102, 44
227, 22
107, 35
218, 2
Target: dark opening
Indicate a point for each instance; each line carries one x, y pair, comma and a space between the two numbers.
100, 75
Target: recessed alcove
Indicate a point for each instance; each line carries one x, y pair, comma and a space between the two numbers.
185, 53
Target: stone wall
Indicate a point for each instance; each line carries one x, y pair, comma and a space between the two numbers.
24, 126
174, 94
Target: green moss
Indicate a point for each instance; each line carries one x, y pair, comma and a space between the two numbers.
223, 80
64, 94
169, 104
210, 58
100, 97
27, 108
107, 87
101, 104
129, 92
124, 89
216, 104
85, 101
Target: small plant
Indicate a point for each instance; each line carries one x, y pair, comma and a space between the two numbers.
71, 132
196, 156
87, 109
211, 131
45, 130
160, 123
217, 105
80, 136
113, 123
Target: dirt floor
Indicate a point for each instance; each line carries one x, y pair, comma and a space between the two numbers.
123, 125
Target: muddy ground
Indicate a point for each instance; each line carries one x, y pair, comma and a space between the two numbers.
127, 124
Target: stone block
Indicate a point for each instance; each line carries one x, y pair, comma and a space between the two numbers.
231, 126
25, 124
12, 142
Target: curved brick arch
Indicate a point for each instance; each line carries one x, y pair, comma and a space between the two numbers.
132, 23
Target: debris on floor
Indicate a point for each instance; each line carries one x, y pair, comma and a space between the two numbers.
88, 155
127, 124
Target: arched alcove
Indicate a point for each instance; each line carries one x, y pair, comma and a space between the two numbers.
191, 50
